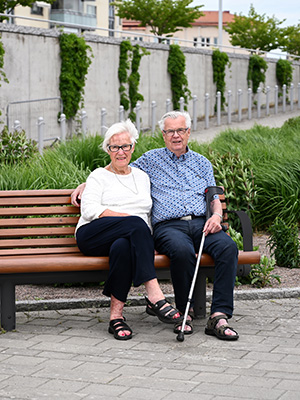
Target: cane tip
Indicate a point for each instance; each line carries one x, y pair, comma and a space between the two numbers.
180, 337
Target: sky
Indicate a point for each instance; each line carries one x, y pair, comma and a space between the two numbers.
281, 9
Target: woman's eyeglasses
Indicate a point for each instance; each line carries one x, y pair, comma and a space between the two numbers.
115, 148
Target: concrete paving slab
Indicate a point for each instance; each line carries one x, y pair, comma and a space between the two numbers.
83, 362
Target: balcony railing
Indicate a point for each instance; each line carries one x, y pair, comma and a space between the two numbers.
73, 17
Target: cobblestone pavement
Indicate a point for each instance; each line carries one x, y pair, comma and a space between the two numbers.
69, 354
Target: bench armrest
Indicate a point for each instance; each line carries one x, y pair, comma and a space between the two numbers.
246, 229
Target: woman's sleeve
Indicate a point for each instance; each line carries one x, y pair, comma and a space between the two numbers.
91, 202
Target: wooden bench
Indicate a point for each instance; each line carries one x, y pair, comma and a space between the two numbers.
37, 246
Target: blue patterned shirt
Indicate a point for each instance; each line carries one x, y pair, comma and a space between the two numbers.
177, 184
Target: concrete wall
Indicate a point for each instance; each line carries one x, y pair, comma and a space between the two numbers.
32, 66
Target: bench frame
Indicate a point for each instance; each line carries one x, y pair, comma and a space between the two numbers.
28, 255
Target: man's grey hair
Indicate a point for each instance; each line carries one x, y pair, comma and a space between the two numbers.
120, 127
174, 115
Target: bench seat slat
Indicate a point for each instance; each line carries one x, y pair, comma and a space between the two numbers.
76, 262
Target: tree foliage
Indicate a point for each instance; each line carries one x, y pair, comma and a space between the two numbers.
164, 17
291, 40
9, 5
255, 31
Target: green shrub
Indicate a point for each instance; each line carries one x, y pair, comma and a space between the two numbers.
15, 147
236, 176
261, 274
284, 243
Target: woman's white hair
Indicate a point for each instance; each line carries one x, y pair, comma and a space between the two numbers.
120, 127
174, 115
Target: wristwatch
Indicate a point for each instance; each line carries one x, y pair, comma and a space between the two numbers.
219, 215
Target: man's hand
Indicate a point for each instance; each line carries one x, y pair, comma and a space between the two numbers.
76, 195
212, 225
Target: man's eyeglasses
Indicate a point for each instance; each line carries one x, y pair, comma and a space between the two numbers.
171, 132
114, 148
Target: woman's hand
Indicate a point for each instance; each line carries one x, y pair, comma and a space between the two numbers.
77, 194
110, 213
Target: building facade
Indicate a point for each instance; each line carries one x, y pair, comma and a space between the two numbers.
204, 32
97, 16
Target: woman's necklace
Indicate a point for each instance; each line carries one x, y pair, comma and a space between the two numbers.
120, 181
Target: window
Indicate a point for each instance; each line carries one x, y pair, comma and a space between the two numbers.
215, 40
37, 10
91, 10
111, 18
205, 41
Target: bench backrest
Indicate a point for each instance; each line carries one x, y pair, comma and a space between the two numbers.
37, 222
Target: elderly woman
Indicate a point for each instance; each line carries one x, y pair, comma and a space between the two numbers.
114, 222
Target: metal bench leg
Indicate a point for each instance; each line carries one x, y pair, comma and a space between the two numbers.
8, 306
200, 295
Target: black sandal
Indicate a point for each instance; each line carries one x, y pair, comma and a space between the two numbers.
164, 314
189, 322
117, 325
220, 331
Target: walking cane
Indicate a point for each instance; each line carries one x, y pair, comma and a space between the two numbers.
210, 192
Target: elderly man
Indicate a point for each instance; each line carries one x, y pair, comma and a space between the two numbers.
179, 178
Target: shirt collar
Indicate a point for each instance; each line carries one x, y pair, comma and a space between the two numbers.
182, 157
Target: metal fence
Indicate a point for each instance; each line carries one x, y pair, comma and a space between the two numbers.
263, 106
25, 114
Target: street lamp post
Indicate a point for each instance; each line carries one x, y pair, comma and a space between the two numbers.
220, 25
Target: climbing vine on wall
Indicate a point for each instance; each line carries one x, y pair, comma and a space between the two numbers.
134, 54
219, 62
134, 79
75, 60
124, 66
2, 73
179, 82
284, 72
256, 72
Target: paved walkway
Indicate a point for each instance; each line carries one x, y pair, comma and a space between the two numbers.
69, 354
273, 121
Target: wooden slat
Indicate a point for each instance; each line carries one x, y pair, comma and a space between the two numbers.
80, 262
35, 201
24, 211
51, 231
47, 242
52, 264
46, 251
48, 221
36, 193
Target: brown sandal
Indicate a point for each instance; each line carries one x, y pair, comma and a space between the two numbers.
220, 331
